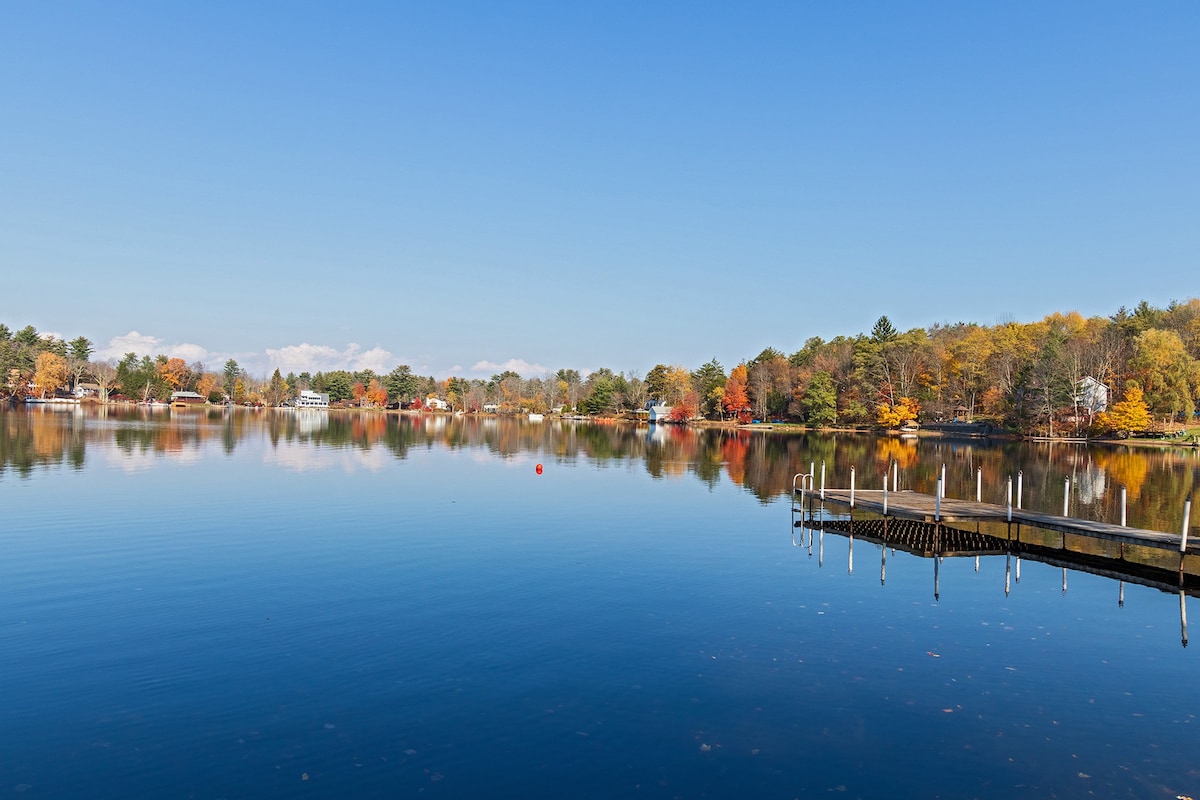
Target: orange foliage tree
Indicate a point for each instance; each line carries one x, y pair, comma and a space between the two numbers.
175, 372
735, 401
376, 394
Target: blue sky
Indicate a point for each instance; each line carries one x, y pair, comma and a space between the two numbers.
461, 187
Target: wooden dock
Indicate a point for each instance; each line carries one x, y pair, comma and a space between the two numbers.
926, 508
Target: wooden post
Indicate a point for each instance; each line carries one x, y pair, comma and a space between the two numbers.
979, 484
895, 476
1123, 496
1066, 495
1009, 500
822, 480
1187, 515
852, 487
937, 503
885, 495
942, 484
1020, 485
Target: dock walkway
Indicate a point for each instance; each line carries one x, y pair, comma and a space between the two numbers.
925, 508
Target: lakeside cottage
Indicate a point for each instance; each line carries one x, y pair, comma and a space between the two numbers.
311, 399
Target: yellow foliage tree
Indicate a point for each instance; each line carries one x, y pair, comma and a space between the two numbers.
50, 373
1131, 414
890, 416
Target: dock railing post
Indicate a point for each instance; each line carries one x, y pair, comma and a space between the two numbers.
895, 476
937, 503
979, 484
852, 487
942, 482
822, 481
885, 494
1187, 518
1123, 506
1008, 501
1066, 495
1020, 484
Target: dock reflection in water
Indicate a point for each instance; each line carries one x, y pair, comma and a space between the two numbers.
1143, 566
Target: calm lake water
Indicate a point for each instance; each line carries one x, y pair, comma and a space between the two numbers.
263, 604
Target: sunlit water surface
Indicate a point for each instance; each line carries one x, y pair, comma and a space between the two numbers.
212, 607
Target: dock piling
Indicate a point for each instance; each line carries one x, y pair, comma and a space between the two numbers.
895, 476
942, 483
852, 487
1066, 496
979, 484
885, 495
1020, 485
1008, 501
1187, 515
822, 480
1123, 506
937, 503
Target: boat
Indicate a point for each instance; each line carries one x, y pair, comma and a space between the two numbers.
536, 417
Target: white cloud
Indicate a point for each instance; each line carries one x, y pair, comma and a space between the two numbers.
376, 359
517, 365
146, 345
307, 357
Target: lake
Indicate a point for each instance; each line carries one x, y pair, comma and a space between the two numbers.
260, 604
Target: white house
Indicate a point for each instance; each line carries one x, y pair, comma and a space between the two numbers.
1091, 395
436, 403
310, 399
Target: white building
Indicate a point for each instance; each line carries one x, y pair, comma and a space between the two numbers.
1091, 395
309, 399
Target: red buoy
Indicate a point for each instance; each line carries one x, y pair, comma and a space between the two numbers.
539, 469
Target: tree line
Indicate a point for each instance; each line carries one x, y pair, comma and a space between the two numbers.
1020, 376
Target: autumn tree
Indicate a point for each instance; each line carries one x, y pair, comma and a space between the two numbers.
359, 391
50, 373
1128, 415
206, 385
893, 416
735, 401
378, 396
176, 373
